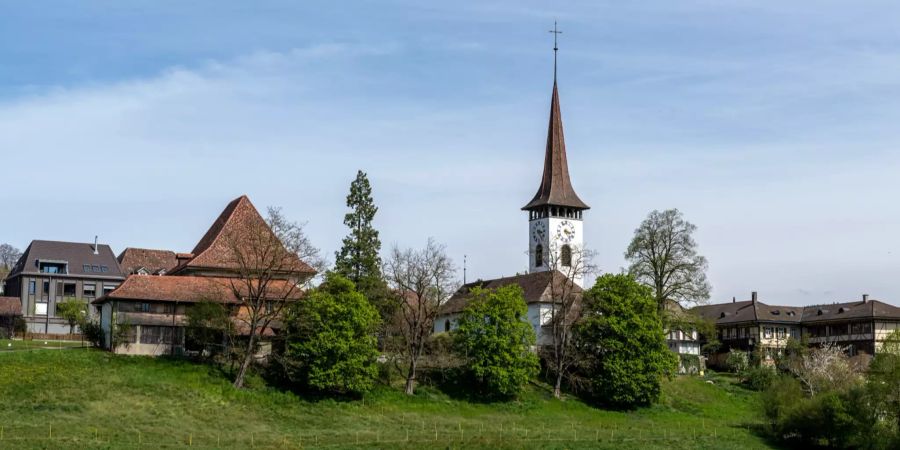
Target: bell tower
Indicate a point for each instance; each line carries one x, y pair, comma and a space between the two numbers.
555, 214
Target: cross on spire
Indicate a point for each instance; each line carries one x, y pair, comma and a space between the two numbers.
556, 33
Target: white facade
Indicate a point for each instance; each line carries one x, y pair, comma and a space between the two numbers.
547, 239
539, 315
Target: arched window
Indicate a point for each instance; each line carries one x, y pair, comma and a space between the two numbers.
538, 255
447, 325
566, 256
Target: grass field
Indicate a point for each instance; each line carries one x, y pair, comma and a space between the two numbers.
8, 345
85, 398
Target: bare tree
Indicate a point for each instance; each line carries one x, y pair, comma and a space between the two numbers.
270, 273
824, 368
566, 266
9, 255
663, 255
421, 281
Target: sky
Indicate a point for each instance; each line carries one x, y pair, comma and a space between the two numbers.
773, 126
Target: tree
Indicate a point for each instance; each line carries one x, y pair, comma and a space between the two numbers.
621, 334
269, 259
560, 353
495, 339
73, 312
825, 368
358, 259
330, 343
663, 255
421, 280
210, 329
9, 255
884, 379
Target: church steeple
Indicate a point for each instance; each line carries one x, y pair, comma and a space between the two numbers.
556, 188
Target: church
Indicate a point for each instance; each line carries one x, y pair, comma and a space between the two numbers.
556, 267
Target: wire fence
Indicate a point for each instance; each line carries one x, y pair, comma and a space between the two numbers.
424, 436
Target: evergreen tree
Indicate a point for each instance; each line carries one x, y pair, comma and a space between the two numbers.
621, 334
358, 258
495, 339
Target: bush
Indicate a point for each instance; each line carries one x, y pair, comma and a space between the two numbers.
759, 378
737, 361
92, 332
495, 340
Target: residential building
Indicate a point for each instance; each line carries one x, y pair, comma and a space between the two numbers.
749, 325
153, 308
50, 272
143, 261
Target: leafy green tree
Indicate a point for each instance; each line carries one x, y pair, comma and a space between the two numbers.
622, 338
495, 339
330, 344
73, 312
358, 259
210, 329
884, 380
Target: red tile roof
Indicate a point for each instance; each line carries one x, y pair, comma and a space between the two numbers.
192, 289
234, 232
133, 259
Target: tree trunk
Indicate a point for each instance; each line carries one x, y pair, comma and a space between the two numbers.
248, 358
557, 388
411, 378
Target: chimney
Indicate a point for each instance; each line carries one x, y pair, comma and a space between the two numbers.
96, 248
753, 296
865, 298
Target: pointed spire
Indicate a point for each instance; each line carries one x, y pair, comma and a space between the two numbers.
556, 188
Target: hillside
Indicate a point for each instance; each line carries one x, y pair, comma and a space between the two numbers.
86, 398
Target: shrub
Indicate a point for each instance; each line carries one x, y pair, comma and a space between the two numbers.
622, 343
759, 378
330, 345
92, 332
737, 361
495, 340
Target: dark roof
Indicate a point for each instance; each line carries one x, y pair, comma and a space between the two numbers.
535, 288
850, 310
10, 306
748, 311
556, 188
241, 220
77, 255
154, 261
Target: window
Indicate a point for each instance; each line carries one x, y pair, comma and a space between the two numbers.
156, 335
31, 287
143, 307
86, 267
104, 269
46, 291
447, 325
51, 267
107, 288
68, 290
767, 332
780, 333
90, 290
538, 255
566, 256
95, 268
40, 308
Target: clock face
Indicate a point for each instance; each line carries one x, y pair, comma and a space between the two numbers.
565, 231
538, 232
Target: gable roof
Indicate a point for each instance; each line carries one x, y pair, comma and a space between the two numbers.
535, 289
239, 220
556, 187
749, 311
77, 255
850, 310
133, 259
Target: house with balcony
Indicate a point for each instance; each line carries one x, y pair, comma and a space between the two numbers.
51, 272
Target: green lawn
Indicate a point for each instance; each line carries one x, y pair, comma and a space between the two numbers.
7, 345
86, 398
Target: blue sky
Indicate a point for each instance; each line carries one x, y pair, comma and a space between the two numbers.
771, 125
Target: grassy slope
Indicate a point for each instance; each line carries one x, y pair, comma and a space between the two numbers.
94, 399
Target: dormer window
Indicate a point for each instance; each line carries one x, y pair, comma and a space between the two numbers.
776, 312
60, 267
841, 311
